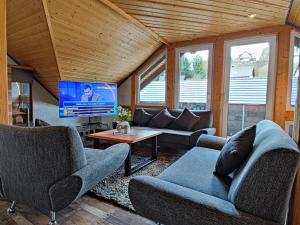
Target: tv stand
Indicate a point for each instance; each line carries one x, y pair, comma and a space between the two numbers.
96, 123
91, 127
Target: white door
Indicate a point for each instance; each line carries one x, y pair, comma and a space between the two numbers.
249, 82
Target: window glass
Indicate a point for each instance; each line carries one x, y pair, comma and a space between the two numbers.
295, 71
248, 85
152, 82
193, 79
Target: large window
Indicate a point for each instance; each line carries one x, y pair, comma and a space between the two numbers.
194, 77
249, 82
152, 82
294, 70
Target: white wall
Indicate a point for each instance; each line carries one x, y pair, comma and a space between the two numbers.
124, 93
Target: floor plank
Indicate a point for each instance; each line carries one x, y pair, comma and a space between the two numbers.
85, 211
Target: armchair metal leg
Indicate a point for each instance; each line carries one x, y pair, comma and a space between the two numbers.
12, 208
52, 218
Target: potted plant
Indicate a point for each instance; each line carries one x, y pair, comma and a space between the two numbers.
122, 120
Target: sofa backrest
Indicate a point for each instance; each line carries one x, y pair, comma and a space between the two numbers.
205, 120
32, 159
263, 185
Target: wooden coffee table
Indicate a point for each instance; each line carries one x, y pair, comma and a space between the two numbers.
136, 135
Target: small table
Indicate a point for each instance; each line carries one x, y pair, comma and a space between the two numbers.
136, 135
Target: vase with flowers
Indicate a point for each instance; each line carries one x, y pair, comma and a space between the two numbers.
122, 120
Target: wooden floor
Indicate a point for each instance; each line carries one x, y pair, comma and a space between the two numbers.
85, 211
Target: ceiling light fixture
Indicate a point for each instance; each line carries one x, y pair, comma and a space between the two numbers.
251, 16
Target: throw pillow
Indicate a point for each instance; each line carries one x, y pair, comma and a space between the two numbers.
186, 120
162, 119
144, 118
236, 151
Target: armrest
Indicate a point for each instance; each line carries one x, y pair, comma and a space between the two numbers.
100, 164
194, 137
209, 141
169, 203
64, 192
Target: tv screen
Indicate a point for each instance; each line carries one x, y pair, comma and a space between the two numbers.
87, 99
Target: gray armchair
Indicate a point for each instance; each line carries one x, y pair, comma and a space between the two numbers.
48, 168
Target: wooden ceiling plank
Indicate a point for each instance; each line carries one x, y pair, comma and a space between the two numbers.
180, 7
162, 16
132, 19
66, 18
29, 39
93, 40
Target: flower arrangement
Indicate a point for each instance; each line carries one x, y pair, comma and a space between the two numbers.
123, 114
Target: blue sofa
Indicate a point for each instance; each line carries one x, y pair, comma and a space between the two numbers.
188, 193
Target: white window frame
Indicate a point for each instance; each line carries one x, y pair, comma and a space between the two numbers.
272, 39
154, 103
201, 47
289, 106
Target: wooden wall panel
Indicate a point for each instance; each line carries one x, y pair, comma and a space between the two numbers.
29, 40
177, 20
96, 43
170, 100
282, 77
4, 107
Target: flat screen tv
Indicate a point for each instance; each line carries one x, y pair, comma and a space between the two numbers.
87, 99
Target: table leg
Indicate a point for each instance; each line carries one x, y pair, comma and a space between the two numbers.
129, 169
154, 148
96, 143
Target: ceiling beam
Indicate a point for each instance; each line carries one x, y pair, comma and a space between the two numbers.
133, 20
293, 12
51, 33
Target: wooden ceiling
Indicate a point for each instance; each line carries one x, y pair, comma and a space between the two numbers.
29, 41
177, 20
105, 40
76, 40
294, 14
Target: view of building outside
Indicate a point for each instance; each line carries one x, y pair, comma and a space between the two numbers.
249, 67
193, 71
295, 70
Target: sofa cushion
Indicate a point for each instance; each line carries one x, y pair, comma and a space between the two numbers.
236, 151
162, 119
194, 170
205, 120
141, 117
144, 118
186, 120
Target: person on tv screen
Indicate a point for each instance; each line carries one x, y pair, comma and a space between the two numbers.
89, 94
